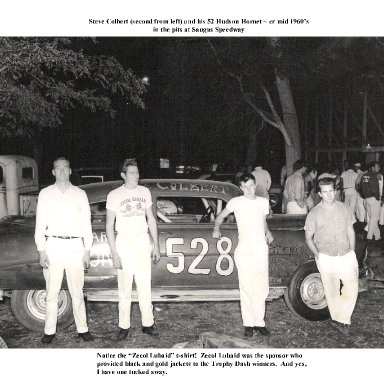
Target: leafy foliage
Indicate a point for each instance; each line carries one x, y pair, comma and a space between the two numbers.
42, 78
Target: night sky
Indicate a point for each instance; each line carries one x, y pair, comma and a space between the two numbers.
194, 113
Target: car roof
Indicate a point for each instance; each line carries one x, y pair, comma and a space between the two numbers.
205, 188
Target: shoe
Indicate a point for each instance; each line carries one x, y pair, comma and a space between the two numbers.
151, 331
86, 336
262, 330
122, 334
248, 331
47, 339
341, 327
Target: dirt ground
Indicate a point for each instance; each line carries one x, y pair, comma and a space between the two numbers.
183, 322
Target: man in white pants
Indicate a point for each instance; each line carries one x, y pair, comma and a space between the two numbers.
131, 206
63, 237
370, 190
251, 254
330, 236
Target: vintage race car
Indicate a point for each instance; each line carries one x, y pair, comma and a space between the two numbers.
193, 265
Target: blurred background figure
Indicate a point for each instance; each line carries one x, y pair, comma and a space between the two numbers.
263, 181
310, 186
349, 177
294, 190
360, 212
370, 191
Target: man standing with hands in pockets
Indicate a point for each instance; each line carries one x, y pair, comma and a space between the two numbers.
330, 236
251, 254
131, 207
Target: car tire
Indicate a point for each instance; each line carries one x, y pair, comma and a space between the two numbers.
29, 309
305, 293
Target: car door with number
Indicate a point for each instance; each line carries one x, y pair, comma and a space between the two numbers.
190, 257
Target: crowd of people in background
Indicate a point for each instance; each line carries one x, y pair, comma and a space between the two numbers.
361, 190
333, 201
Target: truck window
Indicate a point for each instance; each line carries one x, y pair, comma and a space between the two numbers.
1, 175
27, 173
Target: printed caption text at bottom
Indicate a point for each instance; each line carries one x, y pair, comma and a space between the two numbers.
156, 363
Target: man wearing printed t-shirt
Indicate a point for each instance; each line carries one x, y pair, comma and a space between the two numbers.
251, 254
131, 207
330, 236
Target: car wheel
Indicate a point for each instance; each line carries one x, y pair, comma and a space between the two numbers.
305, 293
29, 309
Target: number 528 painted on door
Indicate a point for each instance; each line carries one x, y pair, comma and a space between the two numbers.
223, 245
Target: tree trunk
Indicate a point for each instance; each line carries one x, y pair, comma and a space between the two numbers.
293, 151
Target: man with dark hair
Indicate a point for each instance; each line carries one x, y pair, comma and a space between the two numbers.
294, 190
370, 191
330, 236
251, 254
130, 206
63, 236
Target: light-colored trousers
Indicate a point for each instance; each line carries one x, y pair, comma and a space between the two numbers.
340, 278
350, 199
135, 254
360, 209
381, 218
373, 212
64, 255
251, 260
294, 209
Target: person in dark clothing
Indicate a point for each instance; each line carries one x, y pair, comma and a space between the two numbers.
370, 191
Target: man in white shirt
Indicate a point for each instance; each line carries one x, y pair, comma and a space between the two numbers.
131, 207
251, 254
263, 181
349, 177
63, 236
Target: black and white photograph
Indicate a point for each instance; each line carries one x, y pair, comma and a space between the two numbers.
192, 196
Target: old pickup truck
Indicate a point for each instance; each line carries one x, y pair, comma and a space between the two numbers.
193, 265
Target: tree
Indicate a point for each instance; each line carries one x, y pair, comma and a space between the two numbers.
291, 125
249, 64
41, 79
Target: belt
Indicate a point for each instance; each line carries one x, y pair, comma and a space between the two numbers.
64, 237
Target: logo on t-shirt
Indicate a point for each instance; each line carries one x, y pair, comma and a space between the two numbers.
134, 206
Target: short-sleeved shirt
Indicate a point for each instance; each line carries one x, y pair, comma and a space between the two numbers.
129, 206
294, 187
349, 179
250, 215
330, 228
